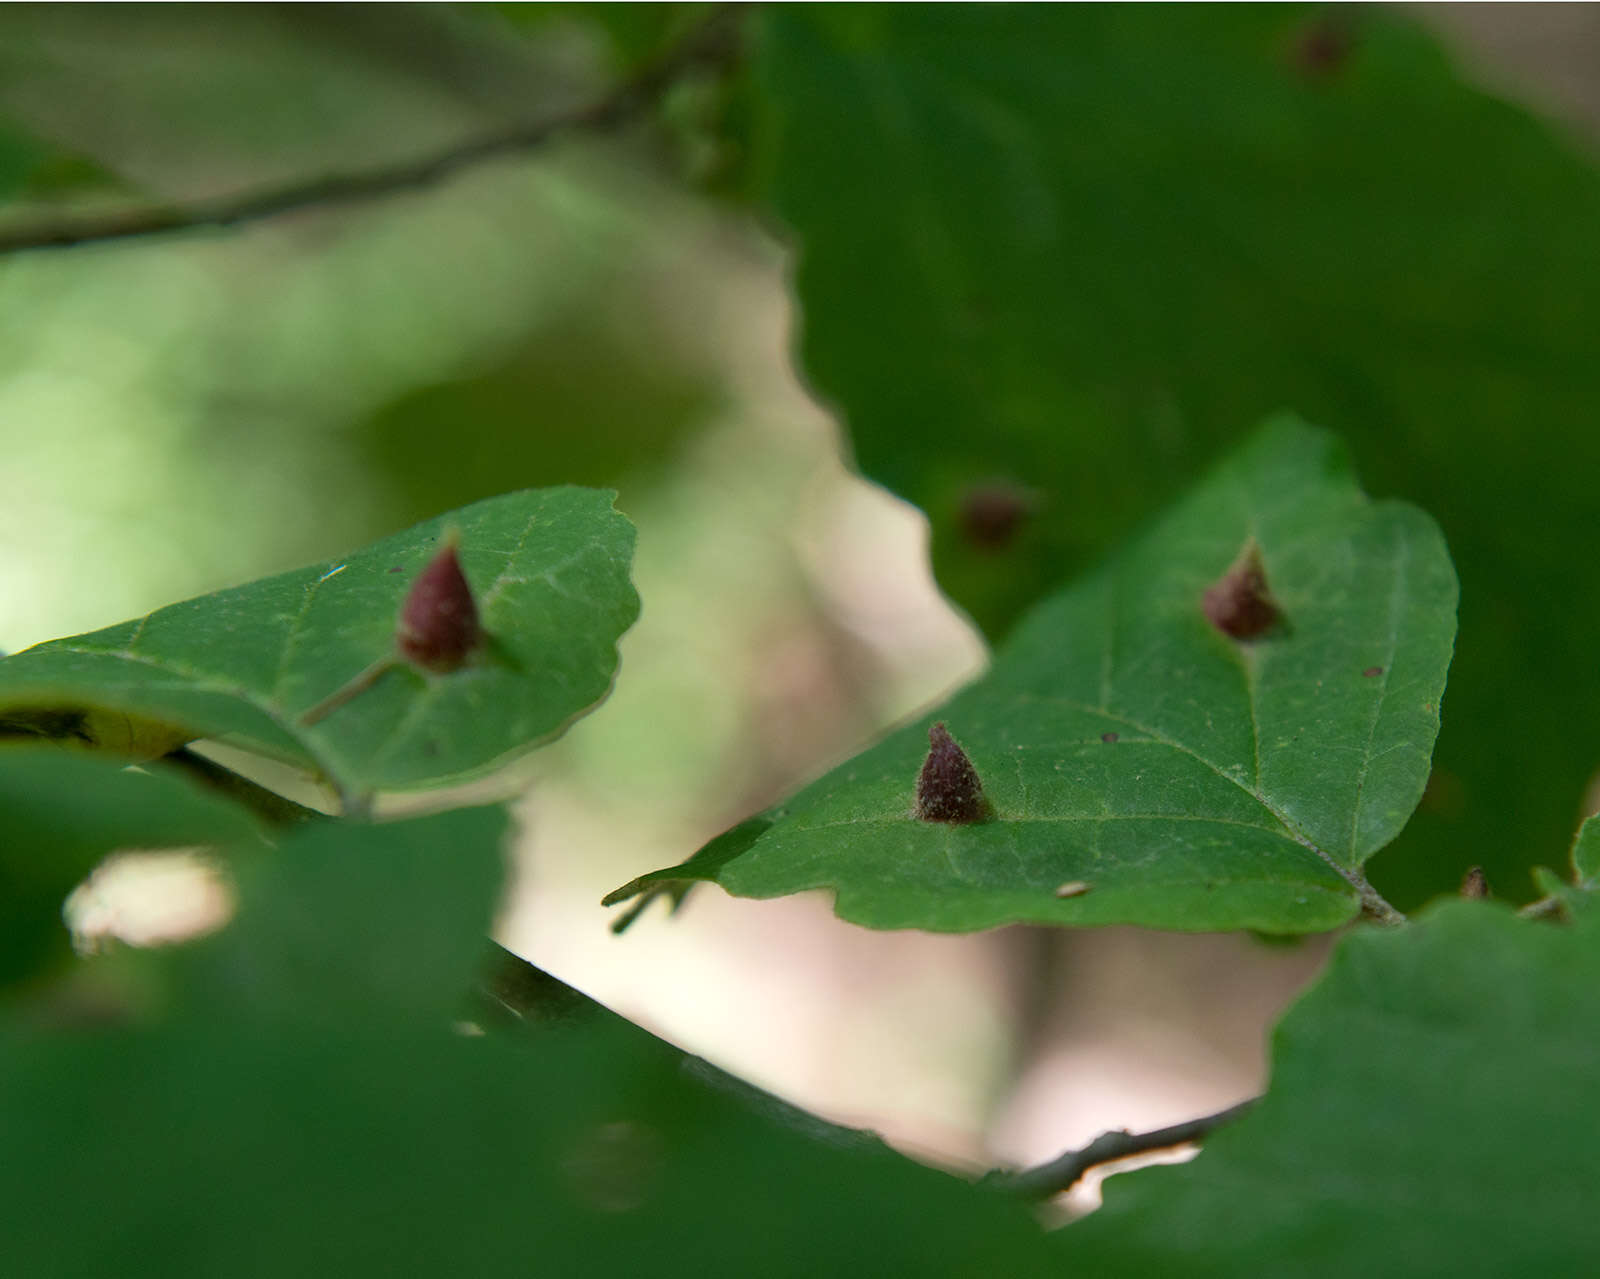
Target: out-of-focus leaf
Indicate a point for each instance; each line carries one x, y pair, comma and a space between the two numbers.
636, 32
198, 1151
307, 1109
225, 98
573, 405
357, 922
60, 814
1124, 743
20, 158
1069, 251
1427, 1116
549, 568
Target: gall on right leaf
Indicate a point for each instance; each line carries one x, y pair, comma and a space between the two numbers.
1238, 603
948, 789
438, 628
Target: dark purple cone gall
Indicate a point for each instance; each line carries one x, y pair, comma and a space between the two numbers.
1238, 603
438, 626
992, 514
948, 789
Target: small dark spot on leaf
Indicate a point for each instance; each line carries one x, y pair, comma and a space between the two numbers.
1108, 738
948, 789
438, 625
430, 749
1445, 795
1475, 885
992, 514
1239, 603
1073, 888
1372, 670
1322, 48
398, 568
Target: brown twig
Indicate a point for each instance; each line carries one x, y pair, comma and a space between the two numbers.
711, 43
1065, 1170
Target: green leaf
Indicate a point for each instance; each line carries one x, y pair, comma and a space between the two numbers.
244, 1152
62, 813
549, 568
1076, 248
1189, 779
307, 1109
1428, 1115
397, 926
1586, 855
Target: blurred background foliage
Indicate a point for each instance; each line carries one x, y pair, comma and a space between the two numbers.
1383, 248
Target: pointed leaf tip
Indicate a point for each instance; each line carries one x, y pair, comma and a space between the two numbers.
1238, 603
948, 789
438, 627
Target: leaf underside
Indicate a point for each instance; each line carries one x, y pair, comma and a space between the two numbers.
1191, 780
549, 569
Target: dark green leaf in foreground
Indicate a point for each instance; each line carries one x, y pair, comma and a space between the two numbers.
549, 568
308, 1109
1189, 779
348, 922
199, 1151
1069, 251
61, 814
1430, 1114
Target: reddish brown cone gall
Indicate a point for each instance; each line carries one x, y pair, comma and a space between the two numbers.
438, 625
948, 789
1475, 886
1238, 603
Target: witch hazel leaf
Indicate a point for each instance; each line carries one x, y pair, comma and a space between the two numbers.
508, 633
1191, 776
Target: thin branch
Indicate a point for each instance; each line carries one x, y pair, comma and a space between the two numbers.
276, 809
711, 43
511, 990
1373, 904
1064, 1171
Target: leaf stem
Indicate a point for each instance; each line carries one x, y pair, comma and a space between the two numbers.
350, 689
1067, 1169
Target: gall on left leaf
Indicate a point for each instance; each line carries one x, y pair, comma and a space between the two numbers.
438, 627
